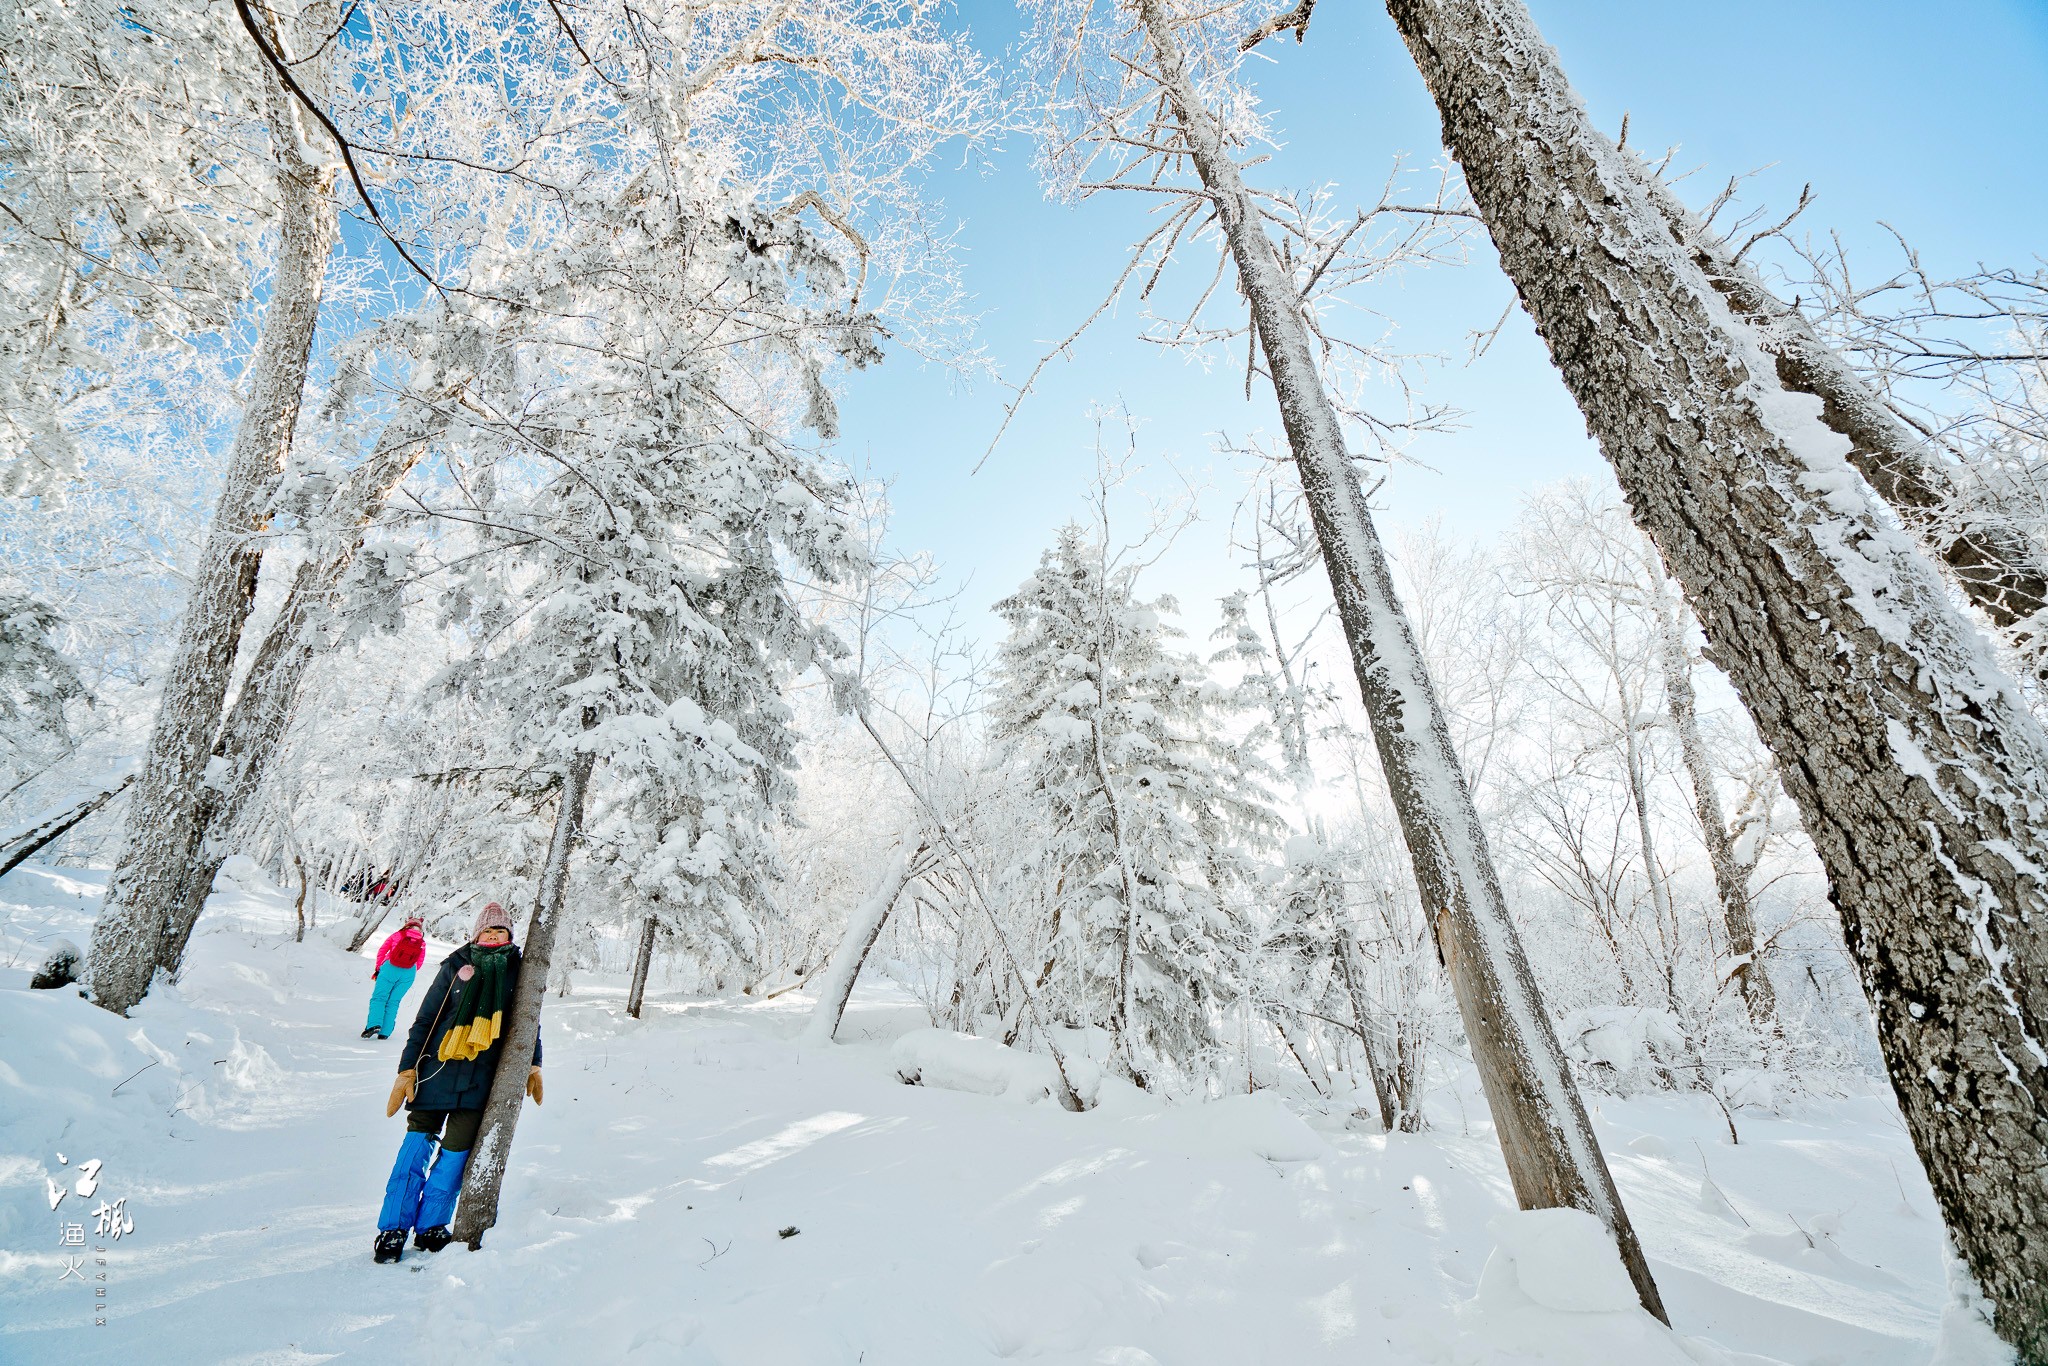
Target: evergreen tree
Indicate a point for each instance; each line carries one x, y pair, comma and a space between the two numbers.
1143, 797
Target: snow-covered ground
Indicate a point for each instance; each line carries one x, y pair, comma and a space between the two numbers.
242, 1119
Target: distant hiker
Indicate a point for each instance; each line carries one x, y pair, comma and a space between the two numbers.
444, 1077
398, 961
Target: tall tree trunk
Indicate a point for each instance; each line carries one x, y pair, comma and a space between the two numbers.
1639, 798
1361, 1016
863, 928
256, 723
1552, 1156
166, 817
643, 958
1731, 879
1122, 1052
305, 888
1920, 774
485, 1176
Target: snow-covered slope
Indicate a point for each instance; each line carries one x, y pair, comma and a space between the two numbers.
243, 1121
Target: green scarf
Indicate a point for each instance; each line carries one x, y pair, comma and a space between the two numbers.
480, 1011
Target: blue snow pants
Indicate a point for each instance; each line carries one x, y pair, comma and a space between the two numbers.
392, 984
419, 1195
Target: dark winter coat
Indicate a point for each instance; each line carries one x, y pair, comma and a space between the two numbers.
458, 1084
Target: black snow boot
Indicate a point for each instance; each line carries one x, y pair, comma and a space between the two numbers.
368, 1030
432, 1239
390, 1243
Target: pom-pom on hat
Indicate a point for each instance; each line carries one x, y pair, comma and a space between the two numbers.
491, 916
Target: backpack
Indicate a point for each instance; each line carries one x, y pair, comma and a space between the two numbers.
407, 952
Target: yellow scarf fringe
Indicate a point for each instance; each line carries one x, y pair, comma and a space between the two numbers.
466, 1041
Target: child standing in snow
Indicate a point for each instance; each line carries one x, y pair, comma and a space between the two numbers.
450, 1057
398, 961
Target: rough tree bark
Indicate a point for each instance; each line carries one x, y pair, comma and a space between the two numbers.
165, 816
485, 1176
254, 728
863, 928
305, 888
1920, 774
1994, 563
1731, 879
1552, 1156
643, 958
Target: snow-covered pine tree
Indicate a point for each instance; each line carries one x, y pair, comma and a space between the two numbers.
1303, 934
637, 529
1121, 744
36, 681
693, 834
823, 112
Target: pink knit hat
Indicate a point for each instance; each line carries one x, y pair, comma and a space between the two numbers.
492, 915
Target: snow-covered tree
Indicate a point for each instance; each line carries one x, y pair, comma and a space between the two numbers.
1143, 799
530, 175
137, 189
1919, 771
1145, 94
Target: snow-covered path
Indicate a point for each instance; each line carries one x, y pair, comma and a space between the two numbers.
934, 1227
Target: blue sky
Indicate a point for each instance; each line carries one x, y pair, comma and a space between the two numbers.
1927, 116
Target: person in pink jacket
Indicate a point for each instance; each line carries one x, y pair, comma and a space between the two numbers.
398, 961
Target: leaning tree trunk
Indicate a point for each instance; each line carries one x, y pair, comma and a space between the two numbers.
254, 729
166, 816
485, 1175
369, 920
1920, 774
419, 854
31, 842
1731, 879
1552, 1156
863, 928
643, 958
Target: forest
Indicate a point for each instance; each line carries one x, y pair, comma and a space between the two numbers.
443, 509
